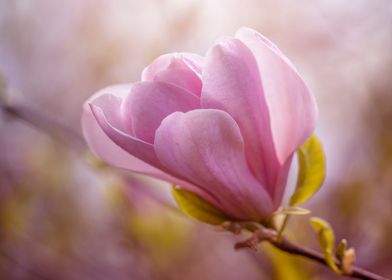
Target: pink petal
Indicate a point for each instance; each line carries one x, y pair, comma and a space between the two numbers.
106, 104
97, 139
181, 69
134, 146
292, 107
206, 147
181, 77
231, 82
150, 102
282, 181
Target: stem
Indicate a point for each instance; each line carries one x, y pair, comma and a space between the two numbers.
281, 243
296, 249
283, 226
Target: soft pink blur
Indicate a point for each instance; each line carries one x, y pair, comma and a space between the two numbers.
63, 218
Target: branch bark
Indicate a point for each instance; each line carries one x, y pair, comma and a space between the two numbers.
295, 249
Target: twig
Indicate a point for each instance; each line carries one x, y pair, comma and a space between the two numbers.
295, 249
46, 124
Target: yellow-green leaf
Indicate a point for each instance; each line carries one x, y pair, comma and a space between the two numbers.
197, 208
311, 172
285, 266
326, 239
292, 210
341, 249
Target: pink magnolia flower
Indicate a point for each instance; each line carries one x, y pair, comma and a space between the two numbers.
224, 126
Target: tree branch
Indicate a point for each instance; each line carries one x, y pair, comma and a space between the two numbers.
296, 249
261, 234
45, 123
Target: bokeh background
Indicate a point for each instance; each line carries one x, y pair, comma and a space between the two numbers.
64, 215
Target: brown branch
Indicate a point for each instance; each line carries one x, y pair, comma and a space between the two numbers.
265, 234
296, 249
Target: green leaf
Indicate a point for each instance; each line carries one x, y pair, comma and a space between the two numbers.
292, 210
311, 173
285, 266
341, 249
326, 239
197, 208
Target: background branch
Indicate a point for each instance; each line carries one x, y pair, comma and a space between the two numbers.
45, 123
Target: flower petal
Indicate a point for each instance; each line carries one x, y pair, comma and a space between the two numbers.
181, 69
206, 147
109, 99
292, 107
121, 149
150, 102
181, 77
231, 82
136, 147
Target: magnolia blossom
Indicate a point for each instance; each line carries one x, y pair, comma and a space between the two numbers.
224, 126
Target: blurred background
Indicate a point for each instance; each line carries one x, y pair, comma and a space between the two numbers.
63, 215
